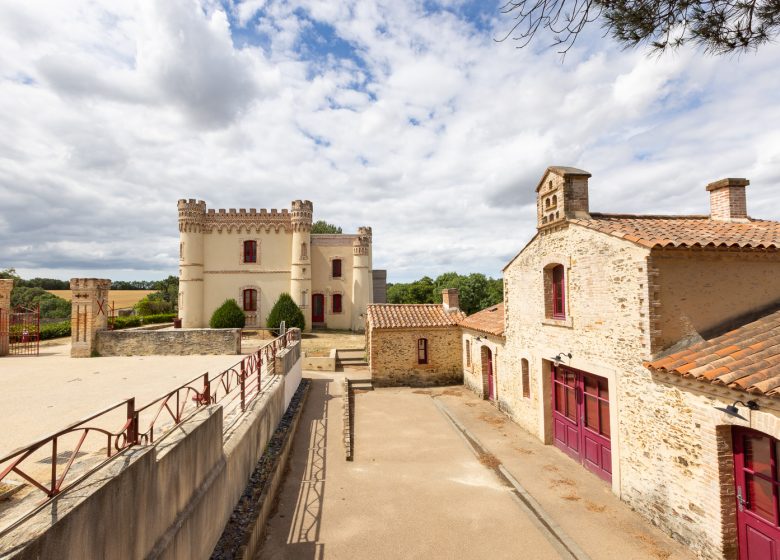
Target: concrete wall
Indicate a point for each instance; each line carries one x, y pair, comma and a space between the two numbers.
321, 363
170, 501
393, 357
180, 342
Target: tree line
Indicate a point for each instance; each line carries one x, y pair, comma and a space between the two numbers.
475, 291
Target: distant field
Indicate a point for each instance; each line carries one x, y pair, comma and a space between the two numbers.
119, 298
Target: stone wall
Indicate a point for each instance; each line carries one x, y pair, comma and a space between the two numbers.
473, 376
393, 357
701, 290
178, 342
168, 501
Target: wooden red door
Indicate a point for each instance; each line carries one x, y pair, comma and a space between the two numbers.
491, 381
756, 480
580, 404
317, 308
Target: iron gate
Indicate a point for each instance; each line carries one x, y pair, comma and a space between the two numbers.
24, 329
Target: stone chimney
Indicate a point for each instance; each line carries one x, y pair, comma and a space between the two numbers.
728, 202
449, 298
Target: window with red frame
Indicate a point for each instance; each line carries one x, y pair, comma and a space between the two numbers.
336, 301
558, 293
250, 300
336, 268
250, 251
422, 351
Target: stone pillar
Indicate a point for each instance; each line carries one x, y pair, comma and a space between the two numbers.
6, 285
89, 314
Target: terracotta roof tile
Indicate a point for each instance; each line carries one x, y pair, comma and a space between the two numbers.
490, 320
746, 358
411, 315
685, 231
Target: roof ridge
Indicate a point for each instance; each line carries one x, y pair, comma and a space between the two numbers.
650, 216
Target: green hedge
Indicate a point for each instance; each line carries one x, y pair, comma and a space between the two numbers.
62, 328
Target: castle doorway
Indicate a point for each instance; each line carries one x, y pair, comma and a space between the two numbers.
318, 308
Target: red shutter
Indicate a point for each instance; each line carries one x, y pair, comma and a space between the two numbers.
336, 268
250, 300
336, 303
422, 351
250, 251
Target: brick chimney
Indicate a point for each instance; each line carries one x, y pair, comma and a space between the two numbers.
449, 297
728, 202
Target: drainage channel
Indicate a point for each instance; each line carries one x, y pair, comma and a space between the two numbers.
563, 544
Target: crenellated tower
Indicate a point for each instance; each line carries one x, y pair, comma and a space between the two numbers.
192, 216
362, 285
300, 270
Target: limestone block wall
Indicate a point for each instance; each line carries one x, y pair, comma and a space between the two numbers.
179, 342
89, 314
393, 357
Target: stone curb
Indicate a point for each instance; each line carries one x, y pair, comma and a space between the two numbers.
563, 543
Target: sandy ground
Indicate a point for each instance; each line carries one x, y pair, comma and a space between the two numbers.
417, 490
323, 341
43, 394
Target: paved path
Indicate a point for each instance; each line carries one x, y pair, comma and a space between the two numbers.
416, 488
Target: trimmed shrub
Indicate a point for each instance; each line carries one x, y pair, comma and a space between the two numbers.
55, 330
158, 318
285, 309
228, 316
127, 322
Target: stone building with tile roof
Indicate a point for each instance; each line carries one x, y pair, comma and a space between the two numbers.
638, 333
484, 360
415, 344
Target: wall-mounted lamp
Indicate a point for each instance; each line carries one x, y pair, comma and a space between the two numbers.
559, 357
732, 409
478, 339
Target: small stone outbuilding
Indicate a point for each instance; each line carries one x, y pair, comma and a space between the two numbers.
483, 352
415, 344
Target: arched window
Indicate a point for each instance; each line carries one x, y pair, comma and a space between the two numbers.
526, 379
304, 251
336, 268
250, 299
336, 303
422, 350
555, 200
558, 293
250, 251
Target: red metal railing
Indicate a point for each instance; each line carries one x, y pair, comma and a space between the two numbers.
234, 388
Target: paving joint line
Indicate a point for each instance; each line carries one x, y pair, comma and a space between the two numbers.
563, 543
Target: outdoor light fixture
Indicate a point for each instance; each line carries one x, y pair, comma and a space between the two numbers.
477, 339
732, 410
559, 357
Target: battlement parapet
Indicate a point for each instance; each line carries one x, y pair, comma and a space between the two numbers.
90, 284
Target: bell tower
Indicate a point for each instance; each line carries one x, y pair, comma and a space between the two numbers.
562, 193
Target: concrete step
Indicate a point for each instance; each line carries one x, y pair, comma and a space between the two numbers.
362, 385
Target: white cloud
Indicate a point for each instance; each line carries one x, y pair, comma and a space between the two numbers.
435, 136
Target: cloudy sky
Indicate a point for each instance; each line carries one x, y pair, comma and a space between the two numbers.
400, 114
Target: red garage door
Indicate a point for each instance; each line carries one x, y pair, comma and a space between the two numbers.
581, 418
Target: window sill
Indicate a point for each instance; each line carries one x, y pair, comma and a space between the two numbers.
567, 322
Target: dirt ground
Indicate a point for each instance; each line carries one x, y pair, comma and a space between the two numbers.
323, 341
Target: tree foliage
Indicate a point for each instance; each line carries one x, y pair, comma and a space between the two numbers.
228, 316
718, 26
285, 309
321, 226
475, 291
164, 300
52, 307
